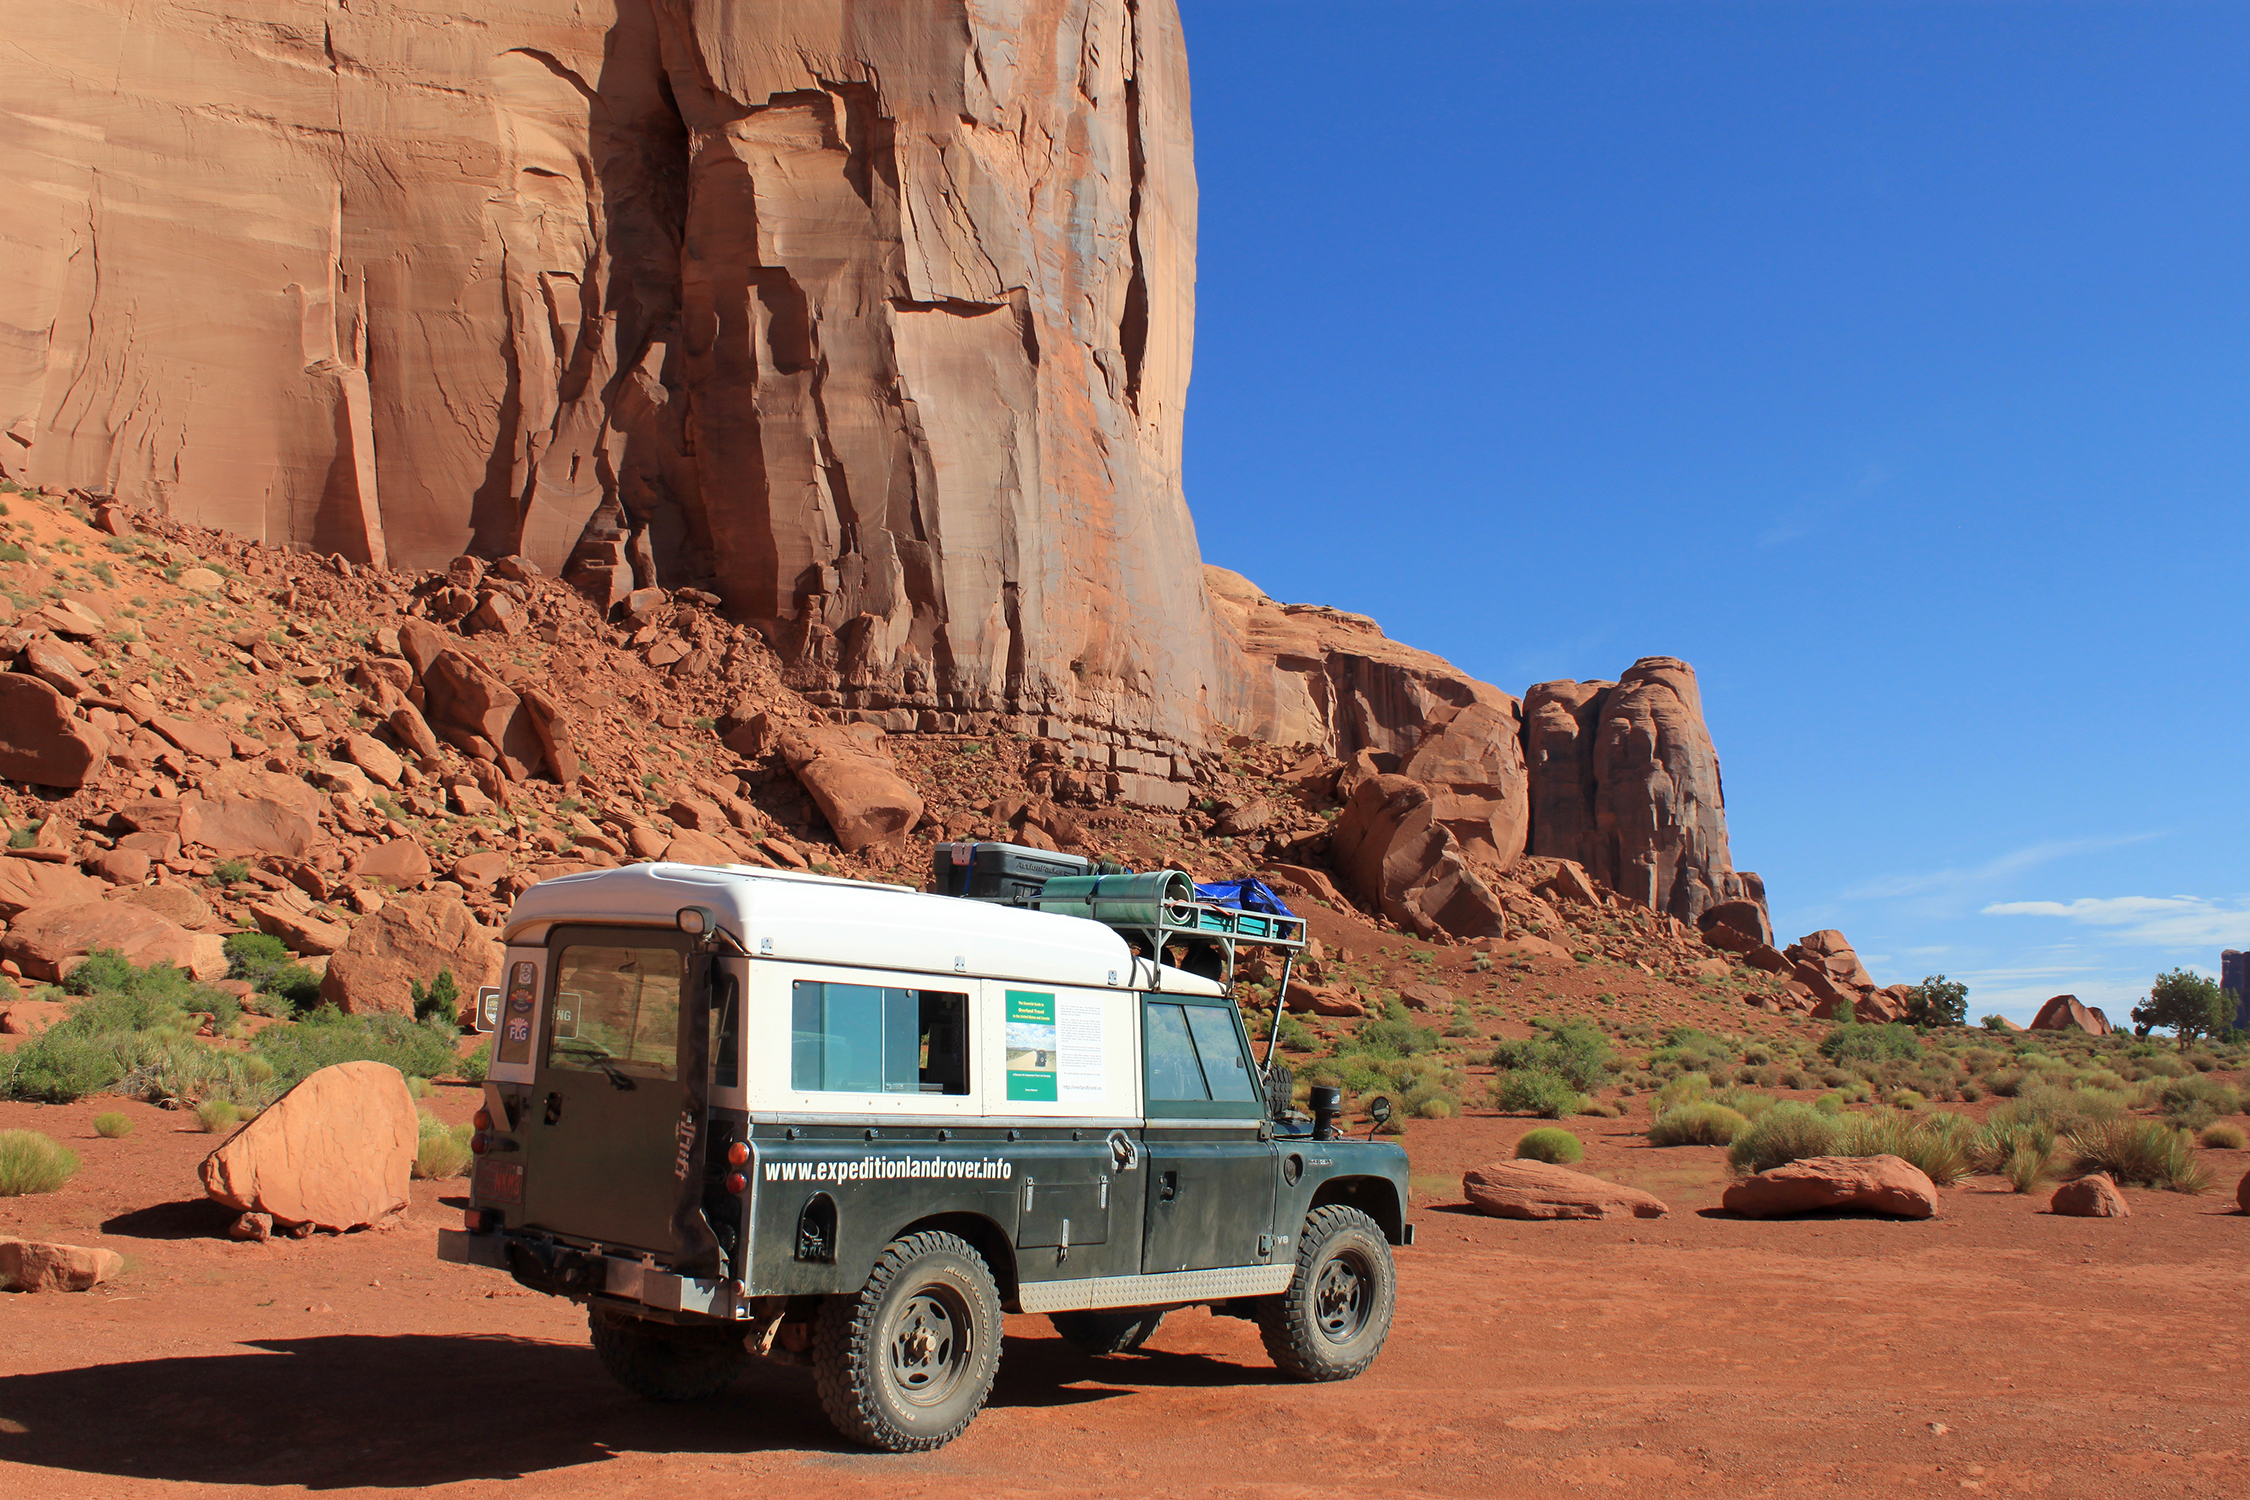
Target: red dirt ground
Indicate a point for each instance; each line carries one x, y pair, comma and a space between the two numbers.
1995, 1349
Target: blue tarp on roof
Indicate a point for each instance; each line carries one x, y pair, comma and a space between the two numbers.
1245, 894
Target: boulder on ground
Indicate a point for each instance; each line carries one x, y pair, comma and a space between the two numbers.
1323, 1000
302, 931
48, 942
1747, 918
411, 938
401, 863
2068, 1013
176, 904
1538, 1190
39, 740
33, 1266
194, 737
2091, 1197
856, 784
693, 848
480, 871
335, 1152
119, 866
378, 760
1883, 1184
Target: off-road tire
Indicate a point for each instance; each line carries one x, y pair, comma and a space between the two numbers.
666, 1363
905, 1363
1332, 1321
1118, 1330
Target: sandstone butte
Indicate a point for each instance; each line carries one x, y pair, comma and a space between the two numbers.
871, 323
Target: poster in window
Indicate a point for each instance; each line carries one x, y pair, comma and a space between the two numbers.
1032, 1045
1079, 1073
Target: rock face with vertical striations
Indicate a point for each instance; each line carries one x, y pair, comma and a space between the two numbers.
874, 318
1624, 780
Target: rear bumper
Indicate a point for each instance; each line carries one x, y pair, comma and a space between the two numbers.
561, 1271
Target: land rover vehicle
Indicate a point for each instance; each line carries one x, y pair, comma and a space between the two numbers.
742, 1112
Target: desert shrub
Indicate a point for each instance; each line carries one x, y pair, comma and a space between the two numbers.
1786, 1133
1699, 1123
2180, 1096
262, 960
1600, 1109
110, 1125
443, 1150
1994, 1023
215, 1115
127, 1020
1906, 1099
1829, 1104
1571, 1050
1428, 1101
2140, 1153
1937, 1001
1296, 1036
2061, 1110
1549, 1144
439, 1002
33, 1163
57, 1067
2222, 1137
1940, 1144
1685, 1089
1748, 1103
327, 1036
1535, 1091
1397, 1038
2187, 1004
2027, 1168
419, 1087
1852, 1042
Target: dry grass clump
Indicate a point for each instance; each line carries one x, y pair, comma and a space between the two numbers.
113, 1126
1703, 1122
2222, 1138
443, 1150
1550, 1144
1940, 1144
2140, 1153
216, 1115
33, 1163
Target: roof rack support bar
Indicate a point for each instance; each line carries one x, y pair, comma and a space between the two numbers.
1280, 999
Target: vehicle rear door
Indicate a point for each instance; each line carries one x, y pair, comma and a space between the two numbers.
1210, 1169
612, 1134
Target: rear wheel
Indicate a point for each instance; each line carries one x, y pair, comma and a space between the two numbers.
1109, 1330
663, 1362
905, 1363
1332, 1321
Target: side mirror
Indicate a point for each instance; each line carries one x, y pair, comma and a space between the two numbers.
488, 1008
1379, 1110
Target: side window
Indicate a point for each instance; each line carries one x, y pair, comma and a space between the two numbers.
1220, 1047
1173, 1072
617, 1010
726, 1030
870, 1039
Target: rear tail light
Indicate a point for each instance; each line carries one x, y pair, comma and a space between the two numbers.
737, 1183
738, 1153
481, 1142
480, 1220
482, 1119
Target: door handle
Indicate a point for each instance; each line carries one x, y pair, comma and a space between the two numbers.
554, 1108
1168, 1187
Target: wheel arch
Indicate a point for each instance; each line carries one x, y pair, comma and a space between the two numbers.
1376, 1197
985, 1236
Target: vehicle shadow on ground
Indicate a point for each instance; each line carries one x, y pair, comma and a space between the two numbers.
1036, 1372
393, 1412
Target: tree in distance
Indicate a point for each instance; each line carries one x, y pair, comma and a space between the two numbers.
2186, 1004
1937, 1001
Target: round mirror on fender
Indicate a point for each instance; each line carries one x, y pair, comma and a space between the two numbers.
1379, 1110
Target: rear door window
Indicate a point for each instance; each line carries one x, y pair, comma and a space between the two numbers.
617, 1008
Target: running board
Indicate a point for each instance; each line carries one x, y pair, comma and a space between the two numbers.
1220, 1284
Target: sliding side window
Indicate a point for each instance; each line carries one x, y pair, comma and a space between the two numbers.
871, 1039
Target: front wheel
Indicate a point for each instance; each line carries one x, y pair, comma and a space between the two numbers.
905, 1363
1332, 1321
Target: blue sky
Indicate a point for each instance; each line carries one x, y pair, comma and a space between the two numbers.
1890, 363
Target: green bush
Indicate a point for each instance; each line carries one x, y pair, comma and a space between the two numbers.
2027, 1168
2140, 1153
215, 1115
474, 1067
1783, 1134
1535, 1091
441, 1001
1699, 1123
326, 1037
1994, 1023
2222, 1137
263, 961
1940, 1144
1852, 1042
2180, 1097
110, 1125
33, 1163
1937, 1001
1571, 1050
1549, 1144
2187, 1004
1396, 1038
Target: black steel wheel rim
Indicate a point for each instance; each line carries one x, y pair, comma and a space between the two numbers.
928, 1350
1343, 1296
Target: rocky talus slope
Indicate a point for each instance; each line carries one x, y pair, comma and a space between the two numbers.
211, 735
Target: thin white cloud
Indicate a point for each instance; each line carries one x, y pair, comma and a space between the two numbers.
2007, 866
2146, 921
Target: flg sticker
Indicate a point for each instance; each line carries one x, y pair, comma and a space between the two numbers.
522, 1000
519, 1028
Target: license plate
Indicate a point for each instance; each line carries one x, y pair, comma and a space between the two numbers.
499, 1182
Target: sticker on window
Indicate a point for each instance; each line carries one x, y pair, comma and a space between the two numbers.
1032, 1045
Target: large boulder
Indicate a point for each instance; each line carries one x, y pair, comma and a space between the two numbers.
49, 941
1880, 1184
39, 740
240, 811
1538, 1190
1391, 845
411, 938
34, 1266
25, 883
854, 781
1745, 918
2068, 1013
335, 1152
